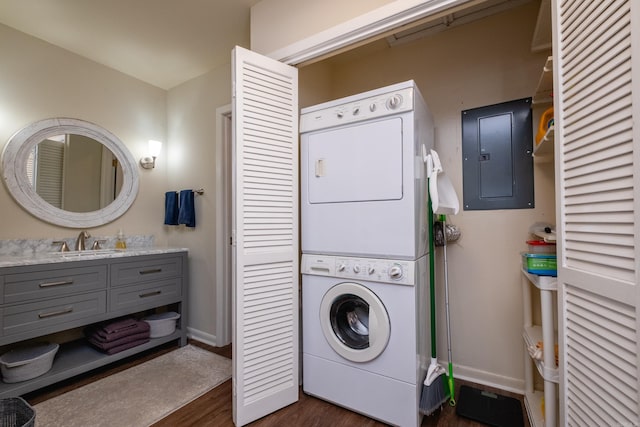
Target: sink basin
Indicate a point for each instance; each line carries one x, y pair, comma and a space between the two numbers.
88, 252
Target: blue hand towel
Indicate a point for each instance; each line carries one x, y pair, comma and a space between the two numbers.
187, 213
171, 208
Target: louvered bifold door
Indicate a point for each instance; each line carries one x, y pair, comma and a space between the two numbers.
265, 233
598, 199
49, 176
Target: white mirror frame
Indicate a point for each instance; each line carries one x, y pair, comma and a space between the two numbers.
14, 172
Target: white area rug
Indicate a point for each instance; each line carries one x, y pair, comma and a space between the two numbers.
138, 396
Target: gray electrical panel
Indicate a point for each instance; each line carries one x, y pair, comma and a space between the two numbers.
497, 161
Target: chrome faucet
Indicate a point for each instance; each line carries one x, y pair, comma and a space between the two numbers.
80, 241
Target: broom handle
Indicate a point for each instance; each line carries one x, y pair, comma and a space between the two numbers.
432, 274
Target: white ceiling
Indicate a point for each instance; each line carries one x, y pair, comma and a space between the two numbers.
162, 42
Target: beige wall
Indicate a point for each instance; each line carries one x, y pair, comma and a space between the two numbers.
478, 64
38, 81
83, 177
192, 132
279, 23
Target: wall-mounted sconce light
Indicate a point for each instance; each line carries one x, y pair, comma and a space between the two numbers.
149, 162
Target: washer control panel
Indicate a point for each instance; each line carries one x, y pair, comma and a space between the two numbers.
400, 272
371, 107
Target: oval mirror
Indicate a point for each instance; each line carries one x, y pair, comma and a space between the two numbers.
70, 172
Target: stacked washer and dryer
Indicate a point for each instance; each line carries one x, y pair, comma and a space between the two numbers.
365, 299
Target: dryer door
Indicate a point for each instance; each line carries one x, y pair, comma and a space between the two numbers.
357, 163
354, 322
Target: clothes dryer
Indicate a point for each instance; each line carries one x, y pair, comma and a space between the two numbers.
363, 183
364, 330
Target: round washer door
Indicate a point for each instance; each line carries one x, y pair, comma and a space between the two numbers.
354, 322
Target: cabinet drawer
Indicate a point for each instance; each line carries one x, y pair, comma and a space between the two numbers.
42, 314
27, 286
146, 295
160, 267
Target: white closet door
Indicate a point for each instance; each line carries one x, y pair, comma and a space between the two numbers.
597, 101
265, 230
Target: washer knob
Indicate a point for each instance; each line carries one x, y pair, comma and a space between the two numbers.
356, 269
371, 270
341, 267
356, 111
372, 107
395, 272
339, 114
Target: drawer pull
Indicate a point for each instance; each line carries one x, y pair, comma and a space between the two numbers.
60, 283
150, 294
153, 270
55, 313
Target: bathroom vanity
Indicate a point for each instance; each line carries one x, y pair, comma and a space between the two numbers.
51, 293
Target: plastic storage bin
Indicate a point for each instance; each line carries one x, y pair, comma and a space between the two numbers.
162, 324
540, 264
541, 247
25, 363
16, 412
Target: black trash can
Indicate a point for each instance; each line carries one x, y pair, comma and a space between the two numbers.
16, 412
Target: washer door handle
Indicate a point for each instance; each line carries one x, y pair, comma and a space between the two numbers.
374, 333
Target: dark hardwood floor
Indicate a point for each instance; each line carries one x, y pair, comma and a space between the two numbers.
214, 408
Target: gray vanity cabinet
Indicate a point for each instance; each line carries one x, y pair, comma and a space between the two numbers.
41, 299
145, 283
48, 298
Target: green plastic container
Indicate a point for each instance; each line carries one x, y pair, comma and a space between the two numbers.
540, 264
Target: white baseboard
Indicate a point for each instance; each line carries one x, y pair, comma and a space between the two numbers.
203, 337
514, 385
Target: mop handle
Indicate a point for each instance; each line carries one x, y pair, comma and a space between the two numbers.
452, 401
446, 281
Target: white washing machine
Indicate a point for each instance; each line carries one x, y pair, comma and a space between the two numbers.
363, 183
365, 334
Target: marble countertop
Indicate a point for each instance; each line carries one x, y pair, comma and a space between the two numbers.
57, 257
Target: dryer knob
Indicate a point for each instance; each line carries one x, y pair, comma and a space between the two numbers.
356, 269
394, 102
395, 272
372, 107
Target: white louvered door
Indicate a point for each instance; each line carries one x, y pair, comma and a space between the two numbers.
265, 234
49, 176
597, 101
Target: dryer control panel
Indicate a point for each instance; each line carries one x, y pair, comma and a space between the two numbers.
349, 111
401, 272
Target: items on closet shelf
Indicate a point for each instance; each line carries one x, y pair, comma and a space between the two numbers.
540, 257
546, 122
536, 351
118, 335
179, 208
